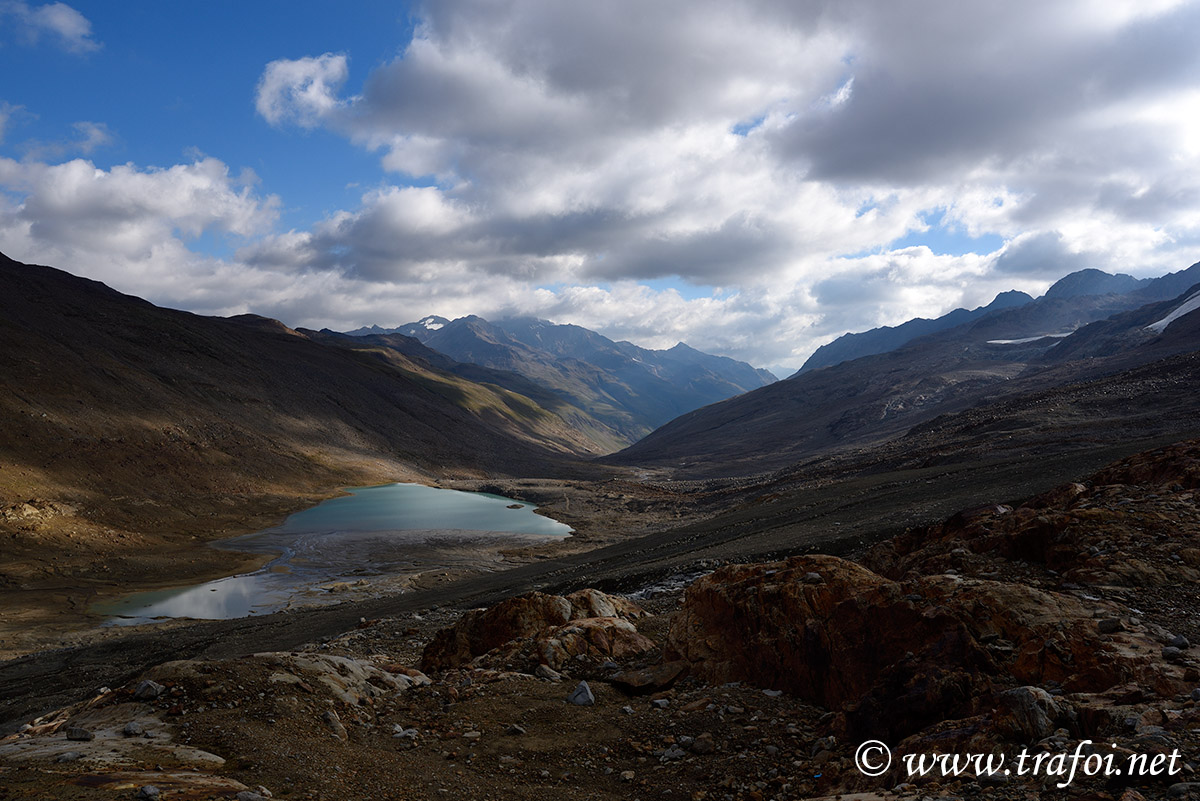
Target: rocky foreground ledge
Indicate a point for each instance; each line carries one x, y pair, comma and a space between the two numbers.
1069, 618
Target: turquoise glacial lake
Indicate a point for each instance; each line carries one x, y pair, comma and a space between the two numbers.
348, 544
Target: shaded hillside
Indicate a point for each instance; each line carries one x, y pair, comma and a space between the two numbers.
888, 338
619, 391
1080, 284
105, 395
873, 399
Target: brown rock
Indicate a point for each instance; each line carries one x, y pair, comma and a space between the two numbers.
534, 615
596, 637
898, 656
651, 679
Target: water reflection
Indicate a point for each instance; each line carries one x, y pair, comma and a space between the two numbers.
376, 531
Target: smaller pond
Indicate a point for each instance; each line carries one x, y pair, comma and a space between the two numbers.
344, 544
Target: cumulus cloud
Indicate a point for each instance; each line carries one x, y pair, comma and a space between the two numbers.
303, 91
550, 158
128, 226
58, 21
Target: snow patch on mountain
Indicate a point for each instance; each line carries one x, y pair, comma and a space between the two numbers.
1188, 306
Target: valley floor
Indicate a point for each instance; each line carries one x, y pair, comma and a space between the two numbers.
1084, 599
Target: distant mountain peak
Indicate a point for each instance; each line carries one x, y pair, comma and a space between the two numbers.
1093, 282
433, 322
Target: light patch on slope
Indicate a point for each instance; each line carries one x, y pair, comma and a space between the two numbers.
1189, 305
432, 324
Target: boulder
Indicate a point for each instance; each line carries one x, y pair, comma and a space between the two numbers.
896, 656
541, 617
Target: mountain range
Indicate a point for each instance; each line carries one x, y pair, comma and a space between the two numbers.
1079, 332
1082, 283
615, 391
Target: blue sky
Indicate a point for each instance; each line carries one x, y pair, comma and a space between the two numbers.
753, 179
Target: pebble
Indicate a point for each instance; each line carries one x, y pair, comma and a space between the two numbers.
581, 695
148, 792
472, 735
133, 729
1180, 642
1171, 653
1109, 625
813, 578
80, 735
627, 775
68, 756
515, 729
671, 754
660, 703
703, 744
147, 691
628, 710
1196, 694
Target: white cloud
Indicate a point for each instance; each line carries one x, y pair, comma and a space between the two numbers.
126, 225
303, 91
62, 23
772, 150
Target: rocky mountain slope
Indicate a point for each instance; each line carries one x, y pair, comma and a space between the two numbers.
617, 387
868, 401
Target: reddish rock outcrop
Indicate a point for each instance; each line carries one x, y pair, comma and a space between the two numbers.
899, 656
550, 628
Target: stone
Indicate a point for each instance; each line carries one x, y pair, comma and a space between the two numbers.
515, 729
1027, 714
69, 756
148, 792
1184, 790
148, 690
1196, 694
79, 734
133, 729
1180, 642
626, 775
250, 795
660, 703
671, 754
547, 672
1110, 625
703, 744
581, 695
1171, 653
334, 724
650, 679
